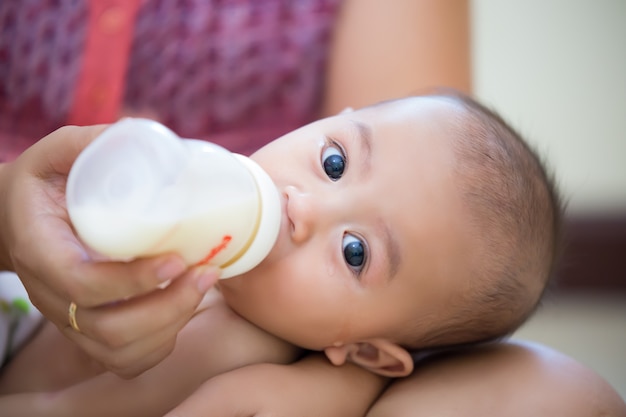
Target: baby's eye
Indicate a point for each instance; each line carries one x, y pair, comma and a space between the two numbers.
353, 252
334, 162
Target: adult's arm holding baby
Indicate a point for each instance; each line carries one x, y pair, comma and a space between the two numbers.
511, 379
38, 243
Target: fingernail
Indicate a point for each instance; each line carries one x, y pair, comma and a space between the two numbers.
170, 269
207, 276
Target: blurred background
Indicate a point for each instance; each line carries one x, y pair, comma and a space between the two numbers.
556, 70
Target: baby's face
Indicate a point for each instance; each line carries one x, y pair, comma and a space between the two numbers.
372, 234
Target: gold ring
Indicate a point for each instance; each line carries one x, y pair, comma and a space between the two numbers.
72, 317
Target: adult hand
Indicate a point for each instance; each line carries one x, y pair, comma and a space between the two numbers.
309, 388
127, 323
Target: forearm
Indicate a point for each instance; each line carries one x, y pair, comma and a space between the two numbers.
381, 52
312, 387
347, 390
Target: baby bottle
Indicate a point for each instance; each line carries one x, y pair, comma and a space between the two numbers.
140, 190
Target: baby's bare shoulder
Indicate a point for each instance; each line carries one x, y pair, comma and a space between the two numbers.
223, 340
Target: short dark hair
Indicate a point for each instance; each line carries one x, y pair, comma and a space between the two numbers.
515, 215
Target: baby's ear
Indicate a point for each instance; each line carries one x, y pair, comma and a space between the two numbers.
377, 355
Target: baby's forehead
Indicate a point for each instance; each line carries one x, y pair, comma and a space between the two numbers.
425, 118
415, 105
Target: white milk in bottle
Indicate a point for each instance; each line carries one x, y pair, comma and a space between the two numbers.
139, 190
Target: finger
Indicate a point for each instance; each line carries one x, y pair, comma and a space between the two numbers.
96, 283
147, 361
46, 300
134, 335
89, 282
133, 359
66, 266
76, 276
72, 271
117, 325
121, 323
74, 139
128, 361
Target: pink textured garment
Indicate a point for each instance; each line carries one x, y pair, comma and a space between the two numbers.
236, 72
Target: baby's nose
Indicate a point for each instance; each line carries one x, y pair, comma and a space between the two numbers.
303, 211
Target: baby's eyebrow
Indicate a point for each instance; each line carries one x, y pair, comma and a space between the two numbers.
392, 250
363, 134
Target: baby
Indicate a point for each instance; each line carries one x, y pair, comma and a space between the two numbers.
413, 224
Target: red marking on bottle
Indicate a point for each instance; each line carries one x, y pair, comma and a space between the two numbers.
217, 249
